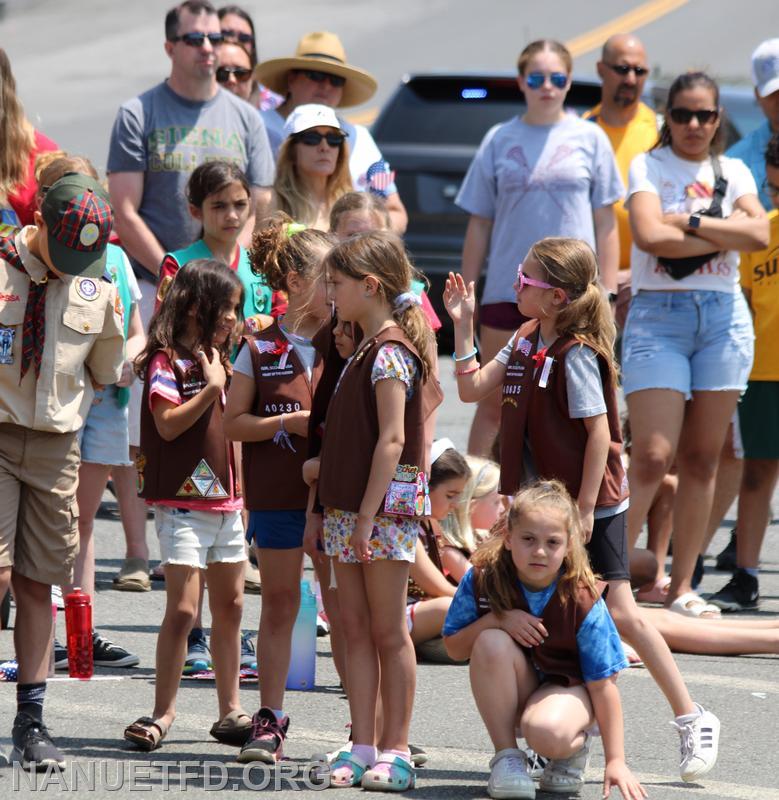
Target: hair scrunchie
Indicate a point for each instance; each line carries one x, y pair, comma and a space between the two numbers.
406, 300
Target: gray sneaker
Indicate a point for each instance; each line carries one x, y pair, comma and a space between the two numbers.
508, 776
566, 775
33, 745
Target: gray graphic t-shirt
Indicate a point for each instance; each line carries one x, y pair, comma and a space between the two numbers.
535, 181
167, 137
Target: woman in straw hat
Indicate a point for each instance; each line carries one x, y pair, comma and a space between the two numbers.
319, 73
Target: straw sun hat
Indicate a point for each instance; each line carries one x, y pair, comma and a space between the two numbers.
321, 51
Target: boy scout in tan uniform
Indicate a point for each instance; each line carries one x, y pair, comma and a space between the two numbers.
60, 333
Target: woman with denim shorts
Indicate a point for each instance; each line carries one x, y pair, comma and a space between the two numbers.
688, 342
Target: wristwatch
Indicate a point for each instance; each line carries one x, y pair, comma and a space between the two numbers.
694, 222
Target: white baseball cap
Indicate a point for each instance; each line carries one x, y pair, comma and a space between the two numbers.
765, 67
310, 115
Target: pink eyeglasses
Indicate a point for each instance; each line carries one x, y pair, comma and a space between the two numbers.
523, 280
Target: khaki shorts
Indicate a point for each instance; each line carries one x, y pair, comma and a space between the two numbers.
38, 512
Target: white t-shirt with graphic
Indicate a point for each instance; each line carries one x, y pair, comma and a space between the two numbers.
685, 187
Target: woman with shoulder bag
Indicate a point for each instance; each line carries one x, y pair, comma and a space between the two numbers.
688, 341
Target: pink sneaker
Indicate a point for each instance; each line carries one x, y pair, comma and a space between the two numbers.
266, 739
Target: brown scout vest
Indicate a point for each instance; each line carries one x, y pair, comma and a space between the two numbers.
557, 442
558, 656
272, 473
430, 543
352, 428
198, 463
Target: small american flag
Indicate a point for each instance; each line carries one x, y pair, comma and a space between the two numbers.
9, 671
380, 178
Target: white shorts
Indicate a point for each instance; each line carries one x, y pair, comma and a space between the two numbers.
199, 538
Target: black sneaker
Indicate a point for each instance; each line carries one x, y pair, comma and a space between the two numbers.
418, 755
267, 738
60, 655
107, 654
726, 560
198, 655
739, 594
248, 654
33, 745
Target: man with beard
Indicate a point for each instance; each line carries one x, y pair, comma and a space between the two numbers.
631, 127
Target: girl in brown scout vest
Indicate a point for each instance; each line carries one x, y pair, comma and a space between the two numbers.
559, 420
555, 690
268, 409
186, 469
373, 488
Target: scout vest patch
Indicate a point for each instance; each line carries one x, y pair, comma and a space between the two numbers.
202, 483
407, 495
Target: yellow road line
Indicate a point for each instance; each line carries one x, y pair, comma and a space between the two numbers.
626, 23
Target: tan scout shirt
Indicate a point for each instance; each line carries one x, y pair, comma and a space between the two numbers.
84, 335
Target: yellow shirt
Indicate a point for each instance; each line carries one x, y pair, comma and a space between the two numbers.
638, 136
84, 336
760, 276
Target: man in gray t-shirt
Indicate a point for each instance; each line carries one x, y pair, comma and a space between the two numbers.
161, 136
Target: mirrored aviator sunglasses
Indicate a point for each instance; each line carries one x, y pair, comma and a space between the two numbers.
241, 74
313, 138
535, 80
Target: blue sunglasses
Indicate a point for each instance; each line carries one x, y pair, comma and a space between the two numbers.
535, 80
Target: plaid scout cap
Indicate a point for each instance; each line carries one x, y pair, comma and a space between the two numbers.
78, 217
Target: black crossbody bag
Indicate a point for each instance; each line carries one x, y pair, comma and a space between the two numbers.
679, 268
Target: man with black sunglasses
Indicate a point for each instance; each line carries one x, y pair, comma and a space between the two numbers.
319, 73
157, 141
631, 126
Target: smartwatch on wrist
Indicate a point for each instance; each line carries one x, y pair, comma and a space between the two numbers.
694, 222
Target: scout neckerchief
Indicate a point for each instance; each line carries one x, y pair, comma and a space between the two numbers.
34, 326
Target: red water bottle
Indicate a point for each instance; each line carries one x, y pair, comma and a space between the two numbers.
78, 625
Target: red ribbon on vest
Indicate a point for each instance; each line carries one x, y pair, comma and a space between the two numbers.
538, 358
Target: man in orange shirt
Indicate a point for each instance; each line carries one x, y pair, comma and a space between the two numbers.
631, 127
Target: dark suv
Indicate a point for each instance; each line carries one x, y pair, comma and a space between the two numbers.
429, 131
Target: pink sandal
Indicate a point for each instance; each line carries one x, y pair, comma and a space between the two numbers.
657, 593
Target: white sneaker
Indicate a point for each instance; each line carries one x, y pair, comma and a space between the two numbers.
699, 744
566, 775
535, 763
508, 776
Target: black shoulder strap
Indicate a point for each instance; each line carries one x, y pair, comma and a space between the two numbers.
720, 188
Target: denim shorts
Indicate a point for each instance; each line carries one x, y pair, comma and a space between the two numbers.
688, 342
276, 530
199, 538
105, 438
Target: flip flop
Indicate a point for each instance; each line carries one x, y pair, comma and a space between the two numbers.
133, 576
146, 733
690, 604
233, 729
657, 592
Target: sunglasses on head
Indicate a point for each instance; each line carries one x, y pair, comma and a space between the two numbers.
522, 281
336, 81
683, 116
237, 36
535, 80
626, 69
241, 74
197, 39
314, 138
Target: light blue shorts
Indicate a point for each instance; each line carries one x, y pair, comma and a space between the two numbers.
105, 438
688, 342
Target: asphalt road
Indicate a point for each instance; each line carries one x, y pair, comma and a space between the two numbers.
87, 718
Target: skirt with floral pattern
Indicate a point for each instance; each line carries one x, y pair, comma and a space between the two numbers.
393, 538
